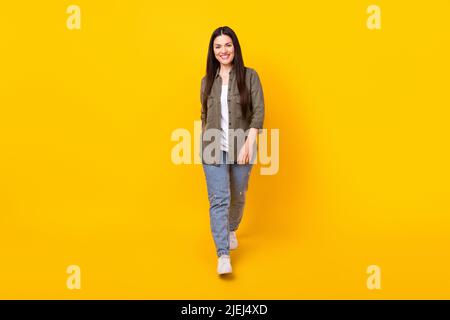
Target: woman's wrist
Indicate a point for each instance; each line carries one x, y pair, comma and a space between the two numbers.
252, 135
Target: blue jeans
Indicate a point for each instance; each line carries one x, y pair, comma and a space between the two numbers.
227, 185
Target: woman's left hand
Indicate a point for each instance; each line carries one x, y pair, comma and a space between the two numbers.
246, 152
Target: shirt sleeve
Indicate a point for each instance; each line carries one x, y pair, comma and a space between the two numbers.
257, 119
203, 111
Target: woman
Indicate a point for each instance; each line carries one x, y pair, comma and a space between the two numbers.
232, 114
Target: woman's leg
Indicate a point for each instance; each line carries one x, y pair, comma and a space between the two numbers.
239, 176
218, 184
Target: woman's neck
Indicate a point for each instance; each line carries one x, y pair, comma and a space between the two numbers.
225, 68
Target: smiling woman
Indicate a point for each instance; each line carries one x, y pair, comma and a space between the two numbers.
223, 49
232, 99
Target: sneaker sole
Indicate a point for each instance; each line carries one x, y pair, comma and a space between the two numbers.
225, 272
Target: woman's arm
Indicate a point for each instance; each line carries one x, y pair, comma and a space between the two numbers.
203, 110
257, 119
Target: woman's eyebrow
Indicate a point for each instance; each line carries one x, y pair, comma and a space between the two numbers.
218, 44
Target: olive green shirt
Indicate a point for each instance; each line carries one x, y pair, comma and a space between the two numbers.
211, 117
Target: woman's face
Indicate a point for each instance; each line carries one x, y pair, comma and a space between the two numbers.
223, 49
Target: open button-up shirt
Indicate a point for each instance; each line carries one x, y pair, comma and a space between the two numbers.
211, 113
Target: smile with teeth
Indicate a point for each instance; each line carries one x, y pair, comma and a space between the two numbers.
225, 56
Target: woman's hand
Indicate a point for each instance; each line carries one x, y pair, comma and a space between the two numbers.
246, 152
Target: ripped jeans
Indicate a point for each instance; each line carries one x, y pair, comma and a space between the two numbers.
227, 185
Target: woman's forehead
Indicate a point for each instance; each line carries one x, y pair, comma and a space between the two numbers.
222, 39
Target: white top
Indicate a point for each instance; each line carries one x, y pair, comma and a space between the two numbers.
224, 118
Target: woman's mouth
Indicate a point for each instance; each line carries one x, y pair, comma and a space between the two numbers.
225, 57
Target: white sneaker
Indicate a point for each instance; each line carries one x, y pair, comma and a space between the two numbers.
233, 240
224, 265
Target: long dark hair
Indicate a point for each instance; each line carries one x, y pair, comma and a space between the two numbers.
212, 64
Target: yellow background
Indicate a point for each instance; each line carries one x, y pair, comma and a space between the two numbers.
86, 176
